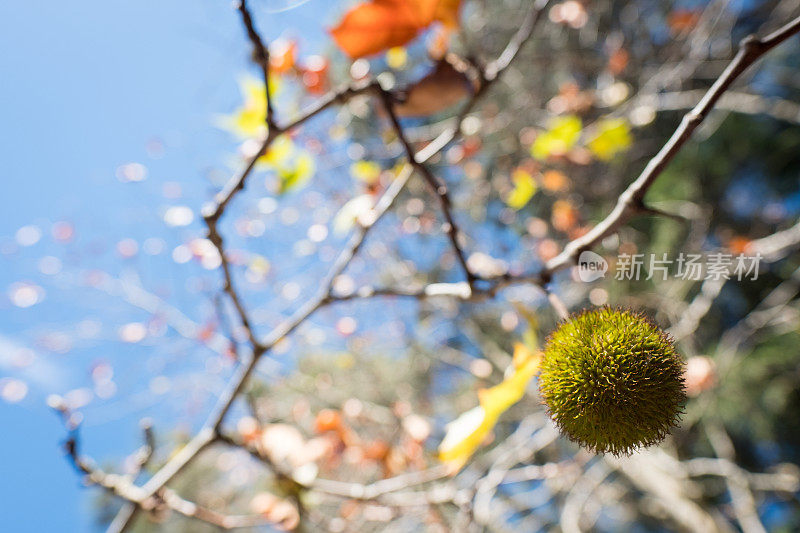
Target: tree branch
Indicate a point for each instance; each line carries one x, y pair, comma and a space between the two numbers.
438, 187
630, 201
260, 56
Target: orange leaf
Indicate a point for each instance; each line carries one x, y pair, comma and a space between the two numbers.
328, 420
554, 181
282, 55
377, 25
564, 215
683, 20
315, 74
440, 43
739, 245
618, 61
447, 12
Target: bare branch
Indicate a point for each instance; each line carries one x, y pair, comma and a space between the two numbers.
733, 102
191, 510
260, 56
744, 505
709, 466
135, 496
343, 489
216, 239
495, 69
124, 518
631, 200
771, 248
669, 492
438, 187
145, 453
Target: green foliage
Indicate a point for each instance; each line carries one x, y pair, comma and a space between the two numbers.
758, 397
611, 380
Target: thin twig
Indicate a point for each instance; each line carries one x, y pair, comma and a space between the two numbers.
631, 200
742, 500
216, 239
734, 102
260, 56
438, 187
344, 489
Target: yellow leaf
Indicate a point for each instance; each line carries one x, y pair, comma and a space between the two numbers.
560, 137
249, 120
500, 397
396, 57
296, 176
253, 93
522, 355
466, 433
530, 337
524, 189
613, 136
366, 171
278, 152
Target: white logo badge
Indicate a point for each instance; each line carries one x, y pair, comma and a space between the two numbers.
591, 266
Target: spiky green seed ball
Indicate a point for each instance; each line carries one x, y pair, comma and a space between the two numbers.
612, 380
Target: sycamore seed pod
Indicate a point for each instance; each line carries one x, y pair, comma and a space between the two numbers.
612, 380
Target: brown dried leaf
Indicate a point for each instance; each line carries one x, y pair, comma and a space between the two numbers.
444, 86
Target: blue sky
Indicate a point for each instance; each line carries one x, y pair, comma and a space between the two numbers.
89, 86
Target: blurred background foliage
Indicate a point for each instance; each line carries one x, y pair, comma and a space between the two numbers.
363, 391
